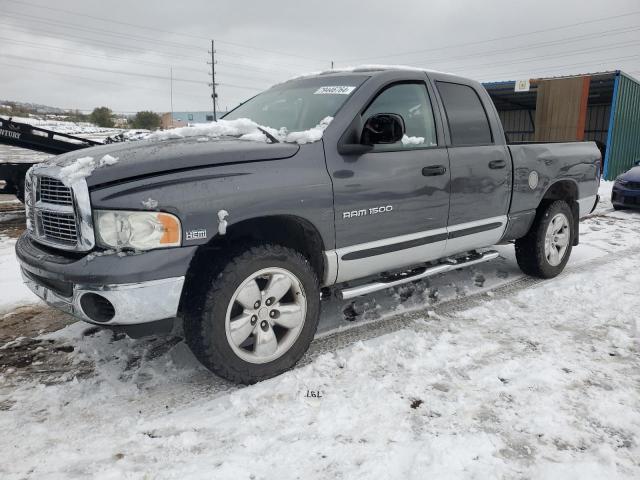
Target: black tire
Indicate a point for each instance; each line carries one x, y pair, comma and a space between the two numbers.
20, 193
205, 331
618, 207
530, 249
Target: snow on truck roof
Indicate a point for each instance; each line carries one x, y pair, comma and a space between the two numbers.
367, 69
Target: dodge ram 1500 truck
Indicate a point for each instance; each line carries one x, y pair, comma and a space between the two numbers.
357, 180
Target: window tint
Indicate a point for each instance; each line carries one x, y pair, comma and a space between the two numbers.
411, 101
467, 118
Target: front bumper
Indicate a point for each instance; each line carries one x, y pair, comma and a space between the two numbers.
108, 289
128, 304
625, 197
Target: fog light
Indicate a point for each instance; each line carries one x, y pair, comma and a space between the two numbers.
97, 307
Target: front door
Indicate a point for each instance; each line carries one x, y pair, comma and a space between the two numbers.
392, 203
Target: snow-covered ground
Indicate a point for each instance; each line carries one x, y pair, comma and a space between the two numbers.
70, 128
536, 382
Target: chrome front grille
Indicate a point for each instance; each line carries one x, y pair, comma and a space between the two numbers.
58, 227
52, 190
58, 215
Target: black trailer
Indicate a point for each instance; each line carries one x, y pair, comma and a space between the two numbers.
39, 139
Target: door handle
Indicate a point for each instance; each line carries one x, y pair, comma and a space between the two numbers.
434, 170
496, 164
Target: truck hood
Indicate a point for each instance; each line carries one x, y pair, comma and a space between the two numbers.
151, 157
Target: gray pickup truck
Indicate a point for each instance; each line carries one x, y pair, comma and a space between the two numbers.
345, 182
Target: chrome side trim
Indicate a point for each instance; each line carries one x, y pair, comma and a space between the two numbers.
478, 223
389, 241
587, 204
349, 293
134, 303
475, 239
454, 240
363, 267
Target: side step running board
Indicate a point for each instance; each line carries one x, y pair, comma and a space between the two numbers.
352, 292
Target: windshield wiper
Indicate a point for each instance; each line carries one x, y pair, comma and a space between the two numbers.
269, 136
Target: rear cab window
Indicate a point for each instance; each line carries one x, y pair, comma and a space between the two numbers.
466, 115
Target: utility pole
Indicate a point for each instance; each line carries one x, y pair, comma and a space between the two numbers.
214, 96
171, 70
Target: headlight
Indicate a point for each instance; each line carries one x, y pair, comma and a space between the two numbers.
137, 230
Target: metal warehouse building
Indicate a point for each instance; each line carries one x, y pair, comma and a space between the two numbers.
604, 107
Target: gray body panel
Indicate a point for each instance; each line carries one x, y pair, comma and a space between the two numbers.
470, 206
576, 162
149, 157
297, 186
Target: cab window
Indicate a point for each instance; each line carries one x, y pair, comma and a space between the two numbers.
411, 101
467, 118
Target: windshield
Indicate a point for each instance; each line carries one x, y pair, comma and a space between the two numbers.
298, 105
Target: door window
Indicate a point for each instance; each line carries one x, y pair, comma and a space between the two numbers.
468, 122
411, 101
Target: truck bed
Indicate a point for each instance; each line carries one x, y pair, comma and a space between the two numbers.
576, 162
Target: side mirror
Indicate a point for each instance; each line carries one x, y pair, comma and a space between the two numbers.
637, 163
383, 128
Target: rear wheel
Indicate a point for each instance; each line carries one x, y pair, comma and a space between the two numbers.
259, 316
546, 248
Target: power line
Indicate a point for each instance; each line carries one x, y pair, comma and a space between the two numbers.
101, 31
92, 80
119, 72
581, 51
495, 39
561, 67
40, 46
232, 65
101, 19
530, 46
98, 69
98, 42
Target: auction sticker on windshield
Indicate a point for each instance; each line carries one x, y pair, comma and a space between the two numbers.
334, 90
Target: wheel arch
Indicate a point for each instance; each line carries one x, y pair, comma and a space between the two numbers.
567, 190
290, 231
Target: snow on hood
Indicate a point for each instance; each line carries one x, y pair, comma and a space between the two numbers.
244, 128
83, 167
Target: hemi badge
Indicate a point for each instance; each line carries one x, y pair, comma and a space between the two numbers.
196, 234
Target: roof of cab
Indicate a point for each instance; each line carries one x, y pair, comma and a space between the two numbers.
370, 69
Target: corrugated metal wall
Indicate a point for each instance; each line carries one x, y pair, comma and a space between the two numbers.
597, 123
624, 143
518, 125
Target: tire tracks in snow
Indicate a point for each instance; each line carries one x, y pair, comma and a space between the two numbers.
441, 312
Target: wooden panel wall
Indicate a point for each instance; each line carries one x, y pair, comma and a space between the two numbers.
561, 109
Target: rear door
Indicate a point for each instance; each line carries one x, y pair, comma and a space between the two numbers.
480, 168
392, 203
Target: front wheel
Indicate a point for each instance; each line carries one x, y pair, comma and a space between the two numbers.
259, 315
546, 248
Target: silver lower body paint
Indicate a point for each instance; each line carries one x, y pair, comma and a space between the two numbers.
361, 260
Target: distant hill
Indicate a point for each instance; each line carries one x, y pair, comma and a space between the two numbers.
34, 107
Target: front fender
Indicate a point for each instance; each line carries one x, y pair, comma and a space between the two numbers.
298, 186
